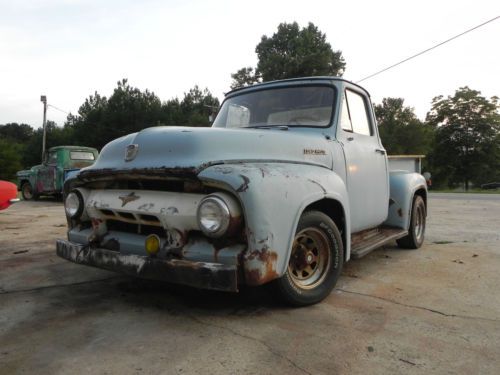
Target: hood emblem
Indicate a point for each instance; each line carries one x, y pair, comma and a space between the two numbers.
128, 198
131, 152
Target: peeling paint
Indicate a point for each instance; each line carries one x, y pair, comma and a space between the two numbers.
260, 266
145, 207
244, 186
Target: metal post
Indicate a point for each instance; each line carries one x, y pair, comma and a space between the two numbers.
43, 99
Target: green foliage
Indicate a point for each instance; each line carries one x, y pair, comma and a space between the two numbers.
130, 110
467, 146
400, 129
10, 159
291, 52
100, 120
56, 136
16, 132
244, 77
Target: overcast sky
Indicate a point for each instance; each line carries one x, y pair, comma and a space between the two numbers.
68, 49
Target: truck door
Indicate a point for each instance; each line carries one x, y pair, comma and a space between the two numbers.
366, 162
47, 173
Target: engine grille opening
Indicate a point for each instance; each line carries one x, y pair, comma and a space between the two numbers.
120, 226
107, 212
149, 218
126, 215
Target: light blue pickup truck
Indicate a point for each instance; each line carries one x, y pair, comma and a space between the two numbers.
289, 183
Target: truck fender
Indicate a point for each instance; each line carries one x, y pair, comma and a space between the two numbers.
403, 186
273, 197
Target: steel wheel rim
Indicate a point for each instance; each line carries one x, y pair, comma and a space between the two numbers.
27, 191
419, 223
310, 260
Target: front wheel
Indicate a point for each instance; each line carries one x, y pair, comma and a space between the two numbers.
416, 232
27, 191
315, 261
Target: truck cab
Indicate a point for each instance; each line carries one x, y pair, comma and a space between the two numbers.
48, 177
290, 182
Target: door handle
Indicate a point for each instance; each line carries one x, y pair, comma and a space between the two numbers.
380, 151
350, 139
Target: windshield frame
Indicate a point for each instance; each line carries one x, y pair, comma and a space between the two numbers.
255, 89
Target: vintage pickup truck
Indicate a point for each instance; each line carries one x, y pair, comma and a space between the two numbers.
48, 178
290, 182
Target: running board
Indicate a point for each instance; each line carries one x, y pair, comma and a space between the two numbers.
368, 240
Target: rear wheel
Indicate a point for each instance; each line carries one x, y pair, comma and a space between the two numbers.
416, 232
315, 261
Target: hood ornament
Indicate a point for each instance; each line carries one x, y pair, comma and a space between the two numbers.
128, 198
131, 152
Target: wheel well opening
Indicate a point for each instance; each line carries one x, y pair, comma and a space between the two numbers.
423, 194
334, 210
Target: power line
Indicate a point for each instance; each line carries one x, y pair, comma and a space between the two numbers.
59, 109
429, 49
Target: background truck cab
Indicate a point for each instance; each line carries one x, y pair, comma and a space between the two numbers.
48, 177
291, 181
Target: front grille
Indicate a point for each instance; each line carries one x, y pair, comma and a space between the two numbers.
130, 217
121, 226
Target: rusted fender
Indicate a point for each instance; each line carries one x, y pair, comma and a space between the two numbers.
273, 196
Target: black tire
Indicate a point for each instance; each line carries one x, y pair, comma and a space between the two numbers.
27, 191
315, 262
416, 232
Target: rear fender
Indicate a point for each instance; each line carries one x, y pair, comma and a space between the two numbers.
403, 187
273, 197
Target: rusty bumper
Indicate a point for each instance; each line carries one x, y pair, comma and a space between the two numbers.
196, 274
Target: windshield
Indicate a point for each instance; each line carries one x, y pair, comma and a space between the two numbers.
290, 106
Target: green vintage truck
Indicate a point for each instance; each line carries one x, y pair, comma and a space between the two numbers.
48, 178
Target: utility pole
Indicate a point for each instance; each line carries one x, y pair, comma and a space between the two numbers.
43, 99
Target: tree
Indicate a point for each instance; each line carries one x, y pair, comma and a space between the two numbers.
467, 145
197, 106
10, 159
291, 52
19, 133
400, 129
129, 110
56, 136
126, 111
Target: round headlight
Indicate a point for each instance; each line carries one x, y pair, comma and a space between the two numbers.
73, 205
213, 216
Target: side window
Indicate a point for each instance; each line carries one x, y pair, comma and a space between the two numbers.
358, 113
345, 120
52, 158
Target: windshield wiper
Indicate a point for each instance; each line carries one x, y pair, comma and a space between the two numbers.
280, 127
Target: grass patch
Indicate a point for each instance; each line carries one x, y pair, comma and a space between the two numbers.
474, 191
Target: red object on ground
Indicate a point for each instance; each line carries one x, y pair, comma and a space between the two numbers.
8, 194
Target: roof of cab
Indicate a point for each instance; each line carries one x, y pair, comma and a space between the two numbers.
292, 81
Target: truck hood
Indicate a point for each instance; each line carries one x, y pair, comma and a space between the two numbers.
196, 148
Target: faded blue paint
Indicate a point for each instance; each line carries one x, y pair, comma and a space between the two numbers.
273, 196
184, 147
274, 176
403, 184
